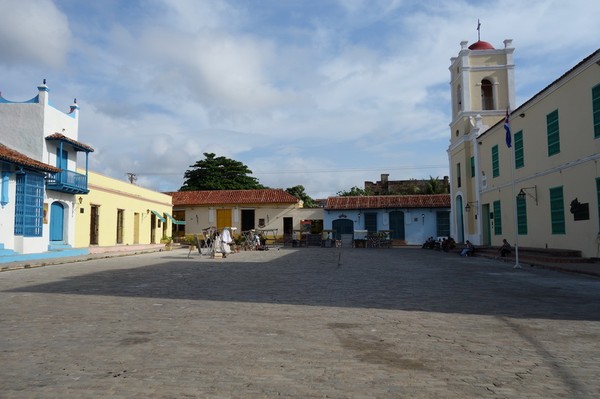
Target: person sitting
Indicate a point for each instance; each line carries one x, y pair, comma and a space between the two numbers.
505, 249
468, 249
429, 244
448, 244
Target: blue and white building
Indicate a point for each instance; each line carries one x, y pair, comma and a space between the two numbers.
409, 219
39, 185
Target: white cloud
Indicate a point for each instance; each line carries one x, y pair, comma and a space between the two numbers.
33, 31
352, 86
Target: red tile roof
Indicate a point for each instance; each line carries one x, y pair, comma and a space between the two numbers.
75, 143
389, 201
10, 155
219, 197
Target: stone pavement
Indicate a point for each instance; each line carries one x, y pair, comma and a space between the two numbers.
298, 323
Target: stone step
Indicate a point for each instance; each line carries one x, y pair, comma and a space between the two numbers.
538, 255
59, 247
6, 252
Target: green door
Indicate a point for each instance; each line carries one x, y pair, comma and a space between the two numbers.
397, 224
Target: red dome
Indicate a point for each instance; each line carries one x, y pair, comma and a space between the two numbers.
481, 45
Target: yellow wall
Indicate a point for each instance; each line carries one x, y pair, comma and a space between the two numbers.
575, 167
109, 195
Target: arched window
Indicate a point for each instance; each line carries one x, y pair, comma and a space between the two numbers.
487, 95
459, 98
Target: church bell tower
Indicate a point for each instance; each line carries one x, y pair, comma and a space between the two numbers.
482, 90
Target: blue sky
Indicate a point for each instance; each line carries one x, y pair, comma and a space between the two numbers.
321, 93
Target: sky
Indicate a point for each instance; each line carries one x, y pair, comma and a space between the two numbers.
326, 94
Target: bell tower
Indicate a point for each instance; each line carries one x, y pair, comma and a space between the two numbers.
482, 89
482, 83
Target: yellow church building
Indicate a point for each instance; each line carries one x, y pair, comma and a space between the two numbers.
528, 174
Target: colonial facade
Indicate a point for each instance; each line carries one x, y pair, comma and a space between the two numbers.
540, 187
40, 185
267, 209
410, 219
119, 216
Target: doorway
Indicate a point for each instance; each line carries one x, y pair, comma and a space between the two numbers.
342, 226
94, 224
397, 225
460, 226
487, 232
136, 228
247, 219
57, 221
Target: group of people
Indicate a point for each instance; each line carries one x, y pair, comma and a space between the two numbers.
445, 244
469, 249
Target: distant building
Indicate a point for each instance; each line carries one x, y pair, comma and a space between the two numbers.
410, 219
399, 187
544, 190
268, 209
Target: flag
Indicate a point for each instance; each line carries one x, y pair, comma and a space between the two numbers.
507, 128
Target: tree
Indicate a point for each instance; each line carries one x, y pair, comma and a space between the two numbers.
435, 186
298, 192
353, 192
219, 173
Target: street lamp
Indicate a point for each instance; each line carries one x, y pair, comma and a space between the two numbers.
523, 193
468, 206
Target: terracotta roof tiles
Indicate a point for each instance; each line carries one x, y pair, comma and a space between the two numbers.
10, 155
389, 201
218, 197
75, 143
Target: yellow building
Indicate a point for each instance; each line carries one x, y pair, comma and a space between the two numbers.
544, 190
117, 215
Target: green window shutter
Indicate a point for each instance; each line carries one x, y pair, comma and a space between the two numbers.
495, 162
557, 210
472, 166
596, 110
443, 223
497, 218
522, 216
519, 154
553, 134
458, 182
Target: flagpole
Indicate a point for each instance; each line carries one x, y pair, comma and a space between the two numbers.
516, 221
514, 197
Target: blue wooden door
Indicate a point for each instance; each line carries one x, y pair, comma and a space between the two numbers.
62, 158
57, 216
397, 224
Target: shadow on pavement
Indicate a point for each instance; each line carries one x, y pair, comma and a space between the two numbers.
398, 279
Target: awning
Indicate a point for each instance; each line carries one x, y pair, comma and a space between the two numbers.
159, 216
173, 219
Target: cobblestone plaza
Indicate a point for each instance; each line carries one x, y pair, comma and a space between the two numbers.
298, 323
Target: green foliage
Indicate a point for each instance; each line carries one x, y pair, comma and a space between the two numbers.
435, 186
298, 192
353, 192
219, 173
